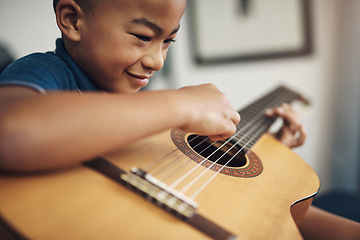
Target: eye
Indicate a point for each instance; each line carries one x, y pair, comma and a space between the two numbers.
169, 41
142, 37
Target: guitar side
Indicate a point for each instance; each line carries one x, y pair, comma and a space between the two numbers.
79, 203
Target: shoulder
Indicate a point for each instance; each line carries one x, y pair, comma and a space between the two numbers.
45, 70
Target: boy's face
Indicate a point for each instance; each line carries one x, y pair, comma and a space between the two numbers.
123, 42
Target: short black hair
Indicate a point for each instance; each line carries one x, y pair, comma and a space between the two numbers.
86, 5
55, 2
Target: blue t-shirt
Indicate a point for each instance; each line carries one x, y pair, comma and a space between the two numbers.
50, 71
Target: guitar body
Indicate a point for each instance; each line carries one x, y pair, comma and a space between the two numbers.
80, 203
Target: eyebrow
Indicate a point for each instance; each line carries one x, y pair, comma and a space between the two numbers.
153, 26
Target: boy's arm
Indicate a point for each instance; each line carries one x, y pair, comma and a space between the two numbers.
58, 129
320, 224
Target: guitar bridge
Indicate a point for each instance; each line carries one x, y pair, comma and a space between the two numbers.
159, 193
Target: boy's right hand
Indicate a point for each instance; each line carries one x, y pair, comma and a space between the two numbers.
209, 112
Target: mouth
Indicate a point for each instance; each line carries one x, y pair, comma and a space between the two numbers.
140, 76
140, 80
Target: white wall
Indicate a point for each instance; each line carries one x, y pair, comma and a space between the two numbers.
28, 26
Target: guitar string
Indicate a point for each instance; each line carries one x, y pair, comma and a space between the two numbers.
178, 181
175, 149
175, 160
234, 136
152, 165
198, 191
148, 168
189, 185
188, 159
272, 104
256, 118
195, 147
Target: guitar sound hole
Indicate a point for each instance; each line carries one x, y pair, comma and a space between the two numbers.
210, 150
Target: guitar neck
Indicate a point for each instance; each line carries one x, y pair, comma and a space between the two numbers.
254, 123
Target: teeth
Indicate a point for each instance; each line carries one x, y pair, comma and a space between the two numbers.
137, 76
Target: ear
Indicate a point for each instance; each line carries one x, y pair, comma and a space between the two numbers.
69, 17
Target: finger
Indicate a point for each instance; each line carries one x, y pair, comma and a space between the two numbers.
290, 117
217, 138
269, 112
278, 111
227, 133
294, 125
300, 139
284, 110
231, 129
288, 114
235, 118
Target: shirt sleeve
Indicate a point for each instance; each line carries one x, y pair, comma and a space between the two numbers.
38, 71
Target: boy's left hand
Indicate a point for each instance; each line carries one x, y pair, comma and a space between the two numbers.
292, 133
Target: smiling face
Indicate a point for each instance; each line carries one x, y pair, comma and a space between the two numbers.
123, 42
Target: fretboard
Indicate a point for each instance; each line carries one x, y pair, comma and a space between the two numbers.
254, 123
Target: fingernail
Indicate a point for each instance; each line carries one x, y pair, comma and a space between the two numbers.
281, 111
268, 111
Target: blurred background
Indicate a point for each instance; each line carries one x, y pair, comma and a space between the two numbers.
327, 70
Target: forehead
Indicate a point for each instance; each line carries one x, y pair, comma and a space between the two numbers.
158, 11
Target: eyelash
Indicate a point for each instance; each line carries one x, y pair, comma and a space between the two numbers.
142, 38
148, 39
168, 41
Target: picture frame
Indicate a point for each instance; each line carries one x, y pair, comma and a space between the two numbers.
245, 30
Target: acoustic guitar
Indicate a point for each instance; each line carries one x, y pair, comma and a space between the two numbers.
173, 185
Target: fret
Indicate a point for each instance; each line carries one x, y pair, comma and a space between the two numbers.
254, 123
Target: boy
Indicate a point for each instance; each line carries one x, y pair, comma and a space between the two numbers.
62, 108
109, 49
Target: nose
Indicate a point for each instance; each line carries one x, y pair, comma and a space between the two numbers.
154, 58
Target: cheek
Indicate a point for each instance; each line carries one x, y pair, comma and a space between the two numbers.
117, 57
124, 56
112, 49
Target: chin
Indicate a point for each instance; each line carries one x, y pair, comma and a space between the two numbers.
120, 88
125, 90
